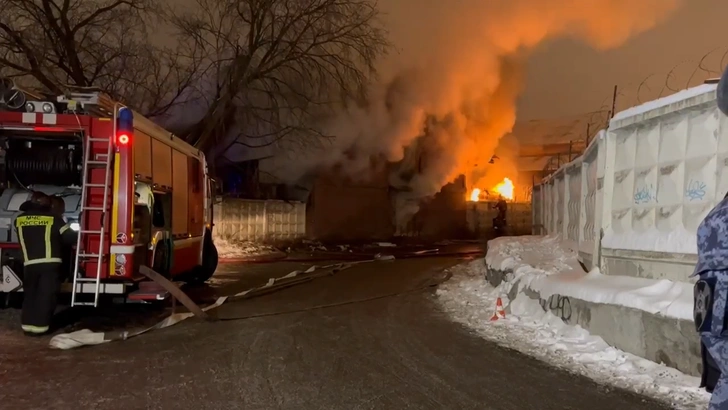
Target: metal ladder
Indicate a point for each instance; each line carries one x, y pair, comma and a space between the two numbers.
81, 254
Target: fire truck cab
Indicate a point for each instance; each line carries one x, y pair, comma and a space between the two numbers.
136, 193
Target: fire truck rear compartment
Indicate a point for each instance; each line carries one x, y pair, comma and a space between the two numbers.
34, 160
50, 164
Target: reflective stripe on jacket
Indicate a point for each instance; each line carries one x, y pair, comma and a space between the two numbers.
42, 236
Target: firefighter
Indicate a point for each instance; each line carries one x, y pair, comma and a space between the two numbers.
499, 222
42, 235
58, 206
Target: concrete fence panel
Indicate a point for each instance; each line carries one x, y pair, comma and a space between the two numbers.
259, 221
632, 203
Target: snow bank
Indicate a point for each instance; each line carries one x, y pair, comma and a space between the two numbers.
676, 241
538, 253
228, 249
532, 331
665, 101
541, 264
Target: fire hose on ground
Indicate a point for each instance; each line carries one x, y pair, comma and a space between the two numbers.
284, 257
86, 337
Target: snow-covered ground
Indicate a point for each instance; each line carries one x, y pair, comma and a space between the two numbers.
228, 249
468, 299
541, 264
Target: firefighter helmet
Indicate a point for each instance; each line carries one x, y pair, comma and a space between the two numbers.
40, 198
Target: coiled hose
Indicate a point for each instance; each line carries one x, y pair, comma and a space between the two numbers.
41, 165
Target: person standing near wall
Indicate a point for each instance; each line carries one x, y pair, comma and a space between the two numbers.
711, 289
710, 297
499, 222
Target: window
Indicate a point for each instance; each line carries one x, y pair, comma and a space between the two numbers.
162, 212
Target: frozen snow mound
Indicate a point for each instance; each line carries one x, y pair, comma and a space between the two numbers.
537, 253
544, 266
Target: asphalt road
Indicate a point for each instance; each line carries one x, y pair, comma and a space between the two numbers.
389, 353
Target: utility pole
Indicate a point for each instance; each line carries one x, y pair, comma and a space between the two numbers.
588, 125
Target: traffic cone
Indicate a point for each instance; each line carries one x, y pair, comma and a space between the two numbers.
500, 312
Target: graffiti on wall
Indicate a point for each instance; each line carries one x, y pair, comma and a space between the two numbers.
695, 190
645, 194
559, 305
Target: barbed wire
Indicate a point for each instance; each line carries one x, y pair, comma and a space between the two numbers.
683, 75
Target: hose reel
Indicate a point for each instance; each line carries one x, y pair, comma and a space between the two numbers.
42, 163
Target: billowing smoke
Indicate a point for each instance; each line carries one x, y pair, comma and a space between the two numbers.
453, 84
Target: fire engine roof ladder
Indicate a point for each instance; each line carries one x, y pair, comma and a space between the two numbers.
90, 162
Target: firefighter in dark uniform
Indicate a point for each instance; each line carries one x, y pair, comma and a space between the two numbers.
499, 222
58, 206
42, 235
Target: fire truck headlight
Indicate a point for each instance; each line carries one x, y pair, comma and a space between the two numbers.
47, 108
30, 107
75, 226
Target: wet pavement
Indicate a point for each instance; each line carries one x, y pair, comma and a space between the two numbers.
311, 251
397, 352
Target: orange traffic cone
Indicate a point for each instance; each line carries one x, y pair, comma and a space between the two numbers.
500, 312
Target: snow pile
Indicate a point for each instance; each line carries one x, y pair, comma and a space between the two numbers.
541, 264
678, 240
229, 249
537, 253
530, 330
663, 297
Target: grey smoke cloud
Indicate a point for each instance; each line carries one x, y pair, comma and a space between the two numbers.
455, 79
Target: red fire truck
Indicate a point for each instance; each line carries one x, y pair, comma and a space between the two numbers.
136, 194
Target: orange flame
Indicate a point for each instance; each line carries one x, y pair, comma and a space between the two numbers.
505, 188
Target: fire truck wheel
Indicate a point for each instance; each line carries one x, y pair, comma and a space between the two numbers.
204, 272
161, 259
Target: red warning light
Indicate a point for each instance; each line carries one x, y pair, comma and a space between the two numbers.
123, 139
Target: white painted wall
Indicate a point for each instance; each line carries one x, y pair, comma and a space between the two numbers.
643, 187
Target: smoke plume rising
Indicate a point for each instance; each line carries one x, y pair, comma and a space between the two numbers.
455, 80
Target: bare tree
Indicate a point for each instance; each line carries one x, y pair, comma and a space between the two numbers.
275, 67
99, 43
